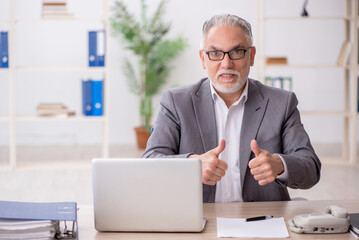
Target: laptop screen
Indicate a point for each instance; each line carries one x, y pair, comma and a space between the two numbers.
135, 194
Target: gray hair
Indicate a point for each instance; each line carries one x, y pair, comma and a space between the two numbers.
227, 20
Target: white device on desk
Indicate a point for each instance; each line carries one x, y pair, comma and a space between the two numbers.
148, 195
335, 220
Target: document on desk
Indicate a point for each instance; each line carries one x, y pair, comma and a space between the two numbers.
238, 227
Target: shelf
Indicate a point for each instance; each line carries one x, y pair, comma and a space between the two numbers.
348, 21
4, 118
57, 69
304, 66
300, 18
14, 24
77, 118
59, 18
326, 113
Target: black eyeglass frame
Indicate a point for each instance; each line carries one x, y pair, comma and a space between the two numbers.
224, 54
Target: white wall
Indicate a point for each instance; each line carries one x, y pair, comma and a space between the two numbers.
303, 42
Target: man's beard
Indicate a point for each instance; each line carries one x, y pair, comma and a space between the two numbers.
234, 88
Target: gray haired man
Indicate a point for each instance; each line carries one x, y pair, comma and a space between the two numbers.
248, 136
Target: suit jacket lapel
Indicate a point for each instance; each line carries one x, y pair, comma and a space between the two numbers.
204, 111
254, 110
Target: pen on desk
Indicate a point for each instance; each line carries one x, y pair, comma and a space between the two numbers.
258, 218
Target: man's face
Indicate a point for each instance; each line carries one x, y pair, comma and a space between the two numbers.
222, 73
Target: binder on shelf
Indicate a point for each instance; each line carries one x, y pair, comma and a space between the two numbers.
287, 83
92, 97
279, 82
4, 50
86, 98
100, 48
97, 97
38, 220
92, 48
97, 46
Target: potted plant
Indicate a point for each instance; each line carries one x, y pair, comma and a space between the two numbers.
146, 40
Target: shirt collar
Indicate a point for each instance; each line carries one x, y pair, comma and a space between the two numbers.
243, 97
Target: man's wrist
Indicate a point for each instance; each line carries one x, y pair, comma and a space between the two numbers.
283, 176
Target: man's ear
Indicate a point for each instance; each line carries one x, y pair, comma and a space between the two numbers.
253, 54
201, 55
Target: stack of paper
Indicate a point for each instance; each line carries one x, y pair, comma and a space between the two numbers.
26, 220
239, 227
53, 110
22, 229
54, 8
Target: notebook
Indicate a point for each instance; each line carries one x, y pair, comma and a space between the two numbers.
148, 195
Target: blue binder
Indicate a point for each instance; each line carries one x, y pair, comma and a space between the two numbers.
4, 50
86, 98
92, 49
97, 97
63, 211
14, 214
101, 48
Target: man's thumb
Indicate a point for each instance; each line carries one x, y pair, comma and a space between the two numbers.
220, 147
255, 148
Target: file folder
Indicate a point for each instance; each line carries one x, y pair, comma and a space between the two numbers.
97, 97
92, 48
86, 98
97, 48
4, 50
19, 218
101, 41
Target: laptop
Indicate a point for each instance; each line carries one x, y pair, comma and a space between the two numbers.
148, 195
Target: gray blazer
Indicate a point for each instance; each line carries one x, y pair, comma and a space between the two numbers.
186, 125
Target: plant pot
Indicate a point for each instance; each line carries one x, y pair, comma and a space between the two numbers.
142, 137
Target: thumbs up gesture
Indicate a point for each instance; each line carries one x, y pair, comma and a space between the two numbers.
213, 168
265, 167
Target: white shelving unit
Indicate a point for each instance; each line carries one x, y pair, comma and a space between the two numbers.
349, 114
13, 118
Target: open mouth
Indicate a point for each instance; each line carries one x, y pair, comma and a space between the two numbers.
227, 77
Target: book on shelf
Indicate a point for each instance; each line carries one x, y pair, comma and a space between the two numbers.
53, 110
92, 97
344, 54
276, 60
354, 224
55, 8
4, 50
280, 82
96, 46
30, 220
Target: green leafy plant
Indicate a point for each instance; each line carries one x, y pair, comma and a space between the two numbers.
146, 40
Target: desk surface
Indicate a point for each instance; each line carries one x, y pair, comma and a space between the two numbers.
287, 209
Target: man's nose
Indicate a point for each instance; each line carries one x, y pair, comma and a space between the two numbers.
227, 62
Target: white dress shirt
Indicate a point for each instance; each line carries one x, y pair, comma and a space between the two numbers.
229, 123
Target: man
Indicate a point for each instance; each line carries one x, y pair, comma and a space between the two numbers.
248, 136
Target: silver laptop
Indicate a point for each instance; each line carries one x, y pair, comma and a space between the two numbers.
148, 195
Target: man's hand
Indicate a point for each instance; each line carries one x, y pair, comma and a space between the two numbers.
265, 167
213, 168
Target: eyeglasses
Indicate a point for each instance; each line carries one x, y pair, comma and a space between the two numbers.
235, 54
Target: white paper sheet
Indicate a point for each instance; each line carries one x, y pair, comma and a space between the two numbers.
238, 227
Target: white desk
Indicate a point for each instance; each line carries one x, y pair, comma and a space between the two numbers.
286, 209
